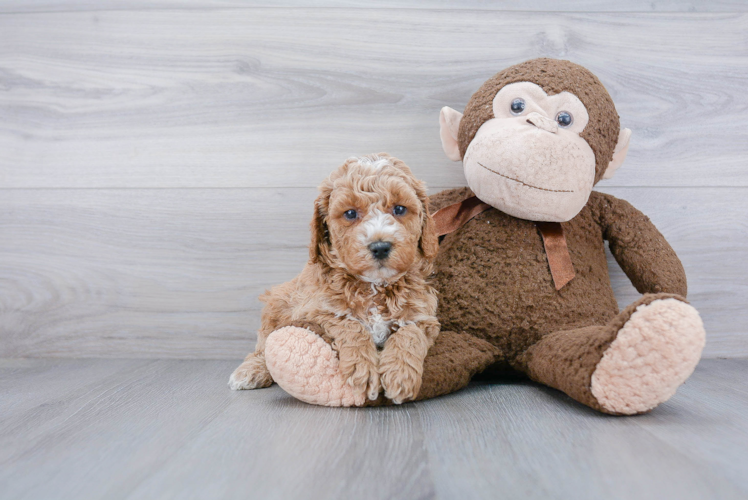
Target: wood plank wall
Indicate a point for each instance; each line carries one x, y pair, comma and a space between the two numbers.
158, 159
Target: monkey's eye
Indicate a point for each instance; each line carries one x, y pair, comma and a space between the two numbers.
350, 214
399, 210
564, 119
517, 106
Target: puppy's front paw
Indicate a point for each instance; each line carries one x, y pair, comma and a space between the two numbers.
359, 369
252, 374
401, 380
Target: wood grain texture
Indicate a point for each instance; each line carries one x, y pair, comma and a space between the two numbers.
176, 273
158, 158
133, 268
171, 429
278, 97
17, 6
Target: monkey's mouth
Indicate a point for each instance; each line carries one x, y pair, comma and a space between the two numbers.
524, 183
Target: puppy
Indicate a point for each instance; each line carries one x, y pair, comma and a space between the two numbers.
364, 288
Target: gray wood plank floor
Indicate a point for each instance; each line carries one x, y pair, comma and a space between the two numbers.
142, 429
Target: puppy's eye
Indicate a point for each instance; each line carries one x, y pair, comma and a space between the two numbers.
350, 214
564, 119
399, 210
517, 106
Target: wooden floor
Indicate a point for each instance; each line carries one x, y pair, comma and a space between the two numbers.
140, 429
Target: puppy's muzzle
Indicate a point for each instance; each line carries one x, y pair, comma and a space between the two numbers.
380, 249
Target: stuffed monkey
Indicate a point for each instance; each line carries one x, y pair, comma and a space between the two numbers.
521, 272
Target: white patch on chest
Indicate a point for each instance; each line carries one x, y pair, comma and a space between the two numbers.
378, 327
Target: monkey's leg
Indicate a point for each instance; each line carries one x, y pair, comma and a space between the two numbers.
304, 364
628, 366
452, 361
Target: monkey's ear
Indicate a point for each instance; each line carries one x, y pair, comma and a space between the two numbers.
619, 153
449, 126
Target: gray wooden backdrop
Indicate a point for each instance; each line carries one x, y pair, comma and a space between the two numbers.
158, 159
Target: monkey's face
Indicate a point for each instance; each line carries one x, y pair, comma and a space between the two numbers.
529, 160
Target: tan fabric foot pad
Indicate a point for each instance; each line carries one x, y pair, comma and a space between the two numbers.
653, 354
306, 367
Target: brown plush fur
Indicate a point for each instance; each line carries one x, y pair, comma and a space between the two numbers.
344, 293
498, 257
495, 285
554, 77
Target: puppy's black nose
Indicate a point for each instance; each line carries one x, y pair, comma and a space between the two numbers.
380, 249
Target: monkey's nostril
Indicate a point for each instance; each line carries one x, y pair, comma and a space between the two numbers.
380, 249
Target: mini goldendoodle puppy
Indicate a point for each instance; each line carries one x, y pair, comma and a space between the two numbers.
364, 288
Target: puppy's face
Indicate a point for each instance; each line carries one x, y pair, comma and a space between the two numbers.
372, 219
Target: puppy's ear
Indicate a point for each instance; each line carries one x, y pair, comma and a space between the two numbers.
429, 242
319, 248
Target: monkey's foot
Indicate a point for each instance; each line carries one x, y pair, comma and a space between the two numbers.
653, 354
306, 367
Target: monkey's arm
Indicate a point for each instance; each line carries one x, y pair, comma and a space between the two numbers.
642, 252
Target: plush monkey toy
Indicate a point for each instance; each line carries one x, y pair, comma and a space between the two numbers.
521, 271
